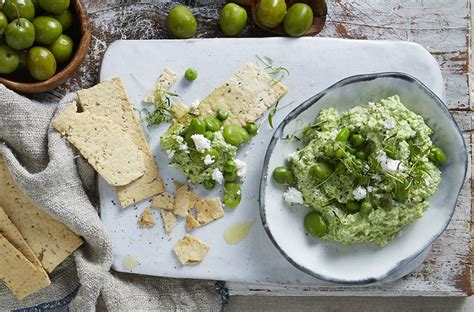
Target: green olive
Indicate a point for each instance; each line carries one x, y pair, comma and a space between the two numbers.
209, 184
190, 74
62, 48
357, 139
181, 22
212, 124
230, 166
437, 155
270, 13
232, 195
232, 19
235, 135
251, 128
352, 206
343, 135
230, 176
315, 224
298, 19
54, 6
365, 207
222, 114
41, 63
25, 8
321, 170
47, 29
20, 34
283, 175
361, 155
65, 18
3, 23
9, 59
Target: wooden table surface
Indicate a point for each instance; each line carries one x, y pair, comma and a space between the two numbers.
442, 27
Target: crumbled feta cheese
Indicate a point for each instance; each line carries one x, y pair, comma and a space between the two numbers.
179, 139
370, 189
202, 144
217, 176
241, 168
293, 196
239, 192
195, 103
183, 147
170, 153
209, 159
359, 193
389, 123
291, 156
388, 164
377, 178
366, 168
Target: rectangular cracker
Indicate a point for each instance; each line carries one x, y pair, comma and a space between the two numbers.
169, 220
182, 200
51, 241
109, 99
246, 95
102, 142
17, 272
208, 210
190, 250
164, 200
146, 219
162, 84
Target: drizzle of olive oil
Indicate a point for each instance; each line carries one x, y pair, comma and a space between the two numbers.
237, 232
130, 262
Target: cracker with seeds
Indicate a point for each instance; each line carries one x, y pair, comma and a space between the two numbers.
246, 96
169, 220
146, 219
190, 250
208, 210
182, 200
103, 144
164, 82
164, 200
179, 110
109, 99
191, 223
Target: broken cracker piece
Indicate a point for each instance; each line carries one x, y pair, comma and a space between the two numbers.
181, 201
246, 95
193, 198
190, 250
162, 84
179, 110
169, 220
164, 200
103, 144
208, 210
146, 219
191, 223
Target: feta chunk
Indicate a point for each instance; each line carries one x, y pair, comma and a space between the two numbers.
291, 156
389, 123
359, 193
241, 168
217, 176
209, 159
170, 153
370, 189
195, 103
388, 164
293, 196
202, 144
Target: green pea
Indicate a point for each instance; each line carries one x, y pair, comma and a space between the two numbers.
343, 135
232, 195
230, 166
357, 139
251, 128
330, 152
230, 176
391, 151
359, 164
401, 192
214, 153
209, 135
361, 155
437, 156
321, 170
283, 175
339, 150
315, 224
190, 74
198, 126
235, 135
209, 184
212, 124
222, 114
340, 167
365, 207
352, 206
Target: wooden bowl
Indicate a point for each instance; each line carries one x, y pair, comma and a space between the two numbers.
320, 11
80, 34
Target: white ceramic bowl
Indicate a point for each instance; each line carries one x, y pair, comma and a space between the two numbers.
360, 264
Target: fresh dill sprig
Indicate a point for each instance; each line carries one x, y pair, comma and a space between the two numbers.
278, 73
161, 110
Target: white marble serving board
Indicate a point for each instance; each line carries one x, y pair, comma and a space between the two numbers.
314, 64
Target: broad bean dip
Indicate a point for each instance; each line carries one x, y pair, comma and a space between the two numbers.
366, 172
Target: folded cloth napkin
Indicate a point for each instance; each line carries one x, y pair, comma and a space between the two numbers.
60, 182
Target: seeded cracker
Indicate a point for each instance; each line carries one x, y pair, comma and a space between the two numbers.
146, 219
164, 82
190, 250
209, 210
109, 99
179, 110
169, 220
182, 200
246, 96
191, 223
101, 141
163, 201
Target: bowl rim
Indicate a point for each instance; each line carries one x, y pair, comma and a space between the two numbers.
59, 77
312, 101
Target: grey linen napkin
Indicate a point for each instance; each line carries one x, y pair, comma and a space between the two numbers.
60, 182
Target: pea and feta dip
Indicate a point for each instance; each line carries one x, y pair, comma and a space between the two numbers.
366, 172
